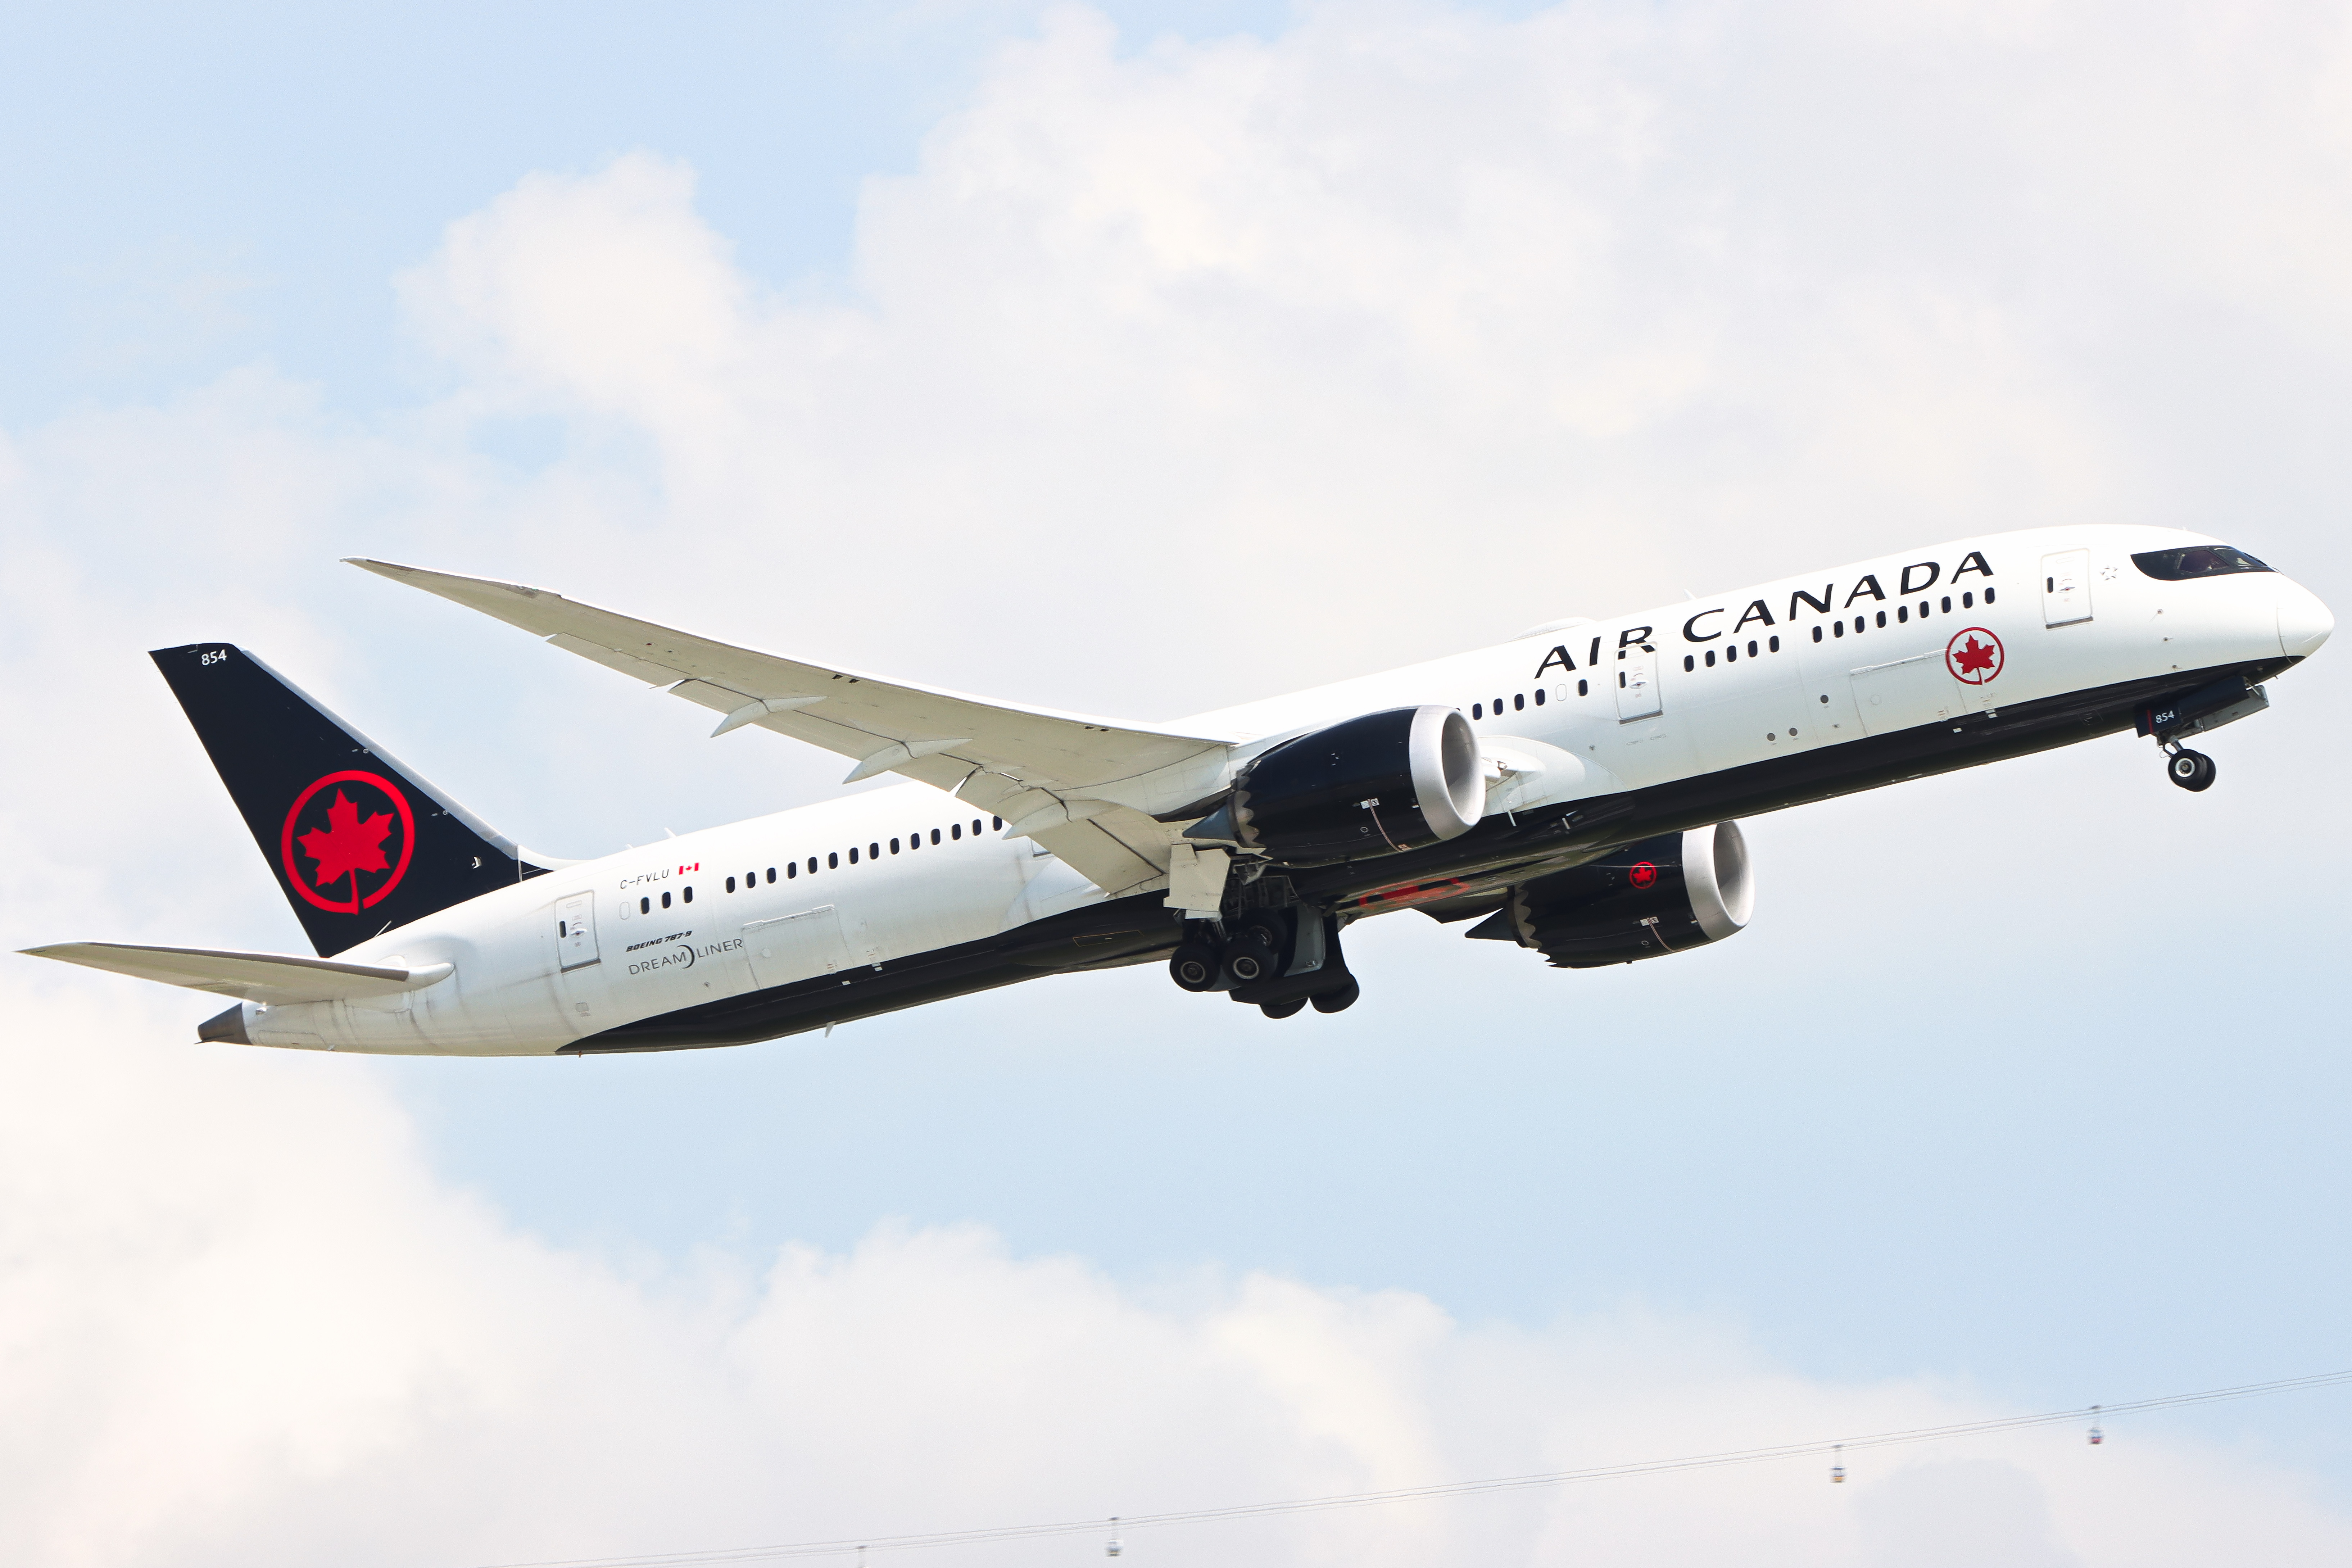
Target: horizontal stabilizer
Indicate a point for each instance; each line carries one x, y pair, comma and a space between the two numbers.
277, 979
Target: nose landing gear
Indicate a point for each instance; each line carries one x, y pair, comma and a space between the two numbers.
2190, 770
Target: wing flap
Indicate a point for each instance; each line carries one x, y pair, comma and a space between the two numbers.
277, 978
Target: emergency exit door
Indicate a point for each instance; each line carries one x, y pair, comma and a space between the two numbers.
575, 931
1637, 683
2065, 588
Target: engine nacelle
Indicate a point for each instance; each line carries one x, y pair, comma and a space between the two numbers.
1374, 785
1667, 894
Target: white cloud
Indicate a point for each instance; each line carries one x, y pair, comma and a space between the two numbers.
240, 1320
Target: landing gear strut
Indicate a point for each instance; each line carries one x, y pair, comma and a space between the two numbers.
2189, 770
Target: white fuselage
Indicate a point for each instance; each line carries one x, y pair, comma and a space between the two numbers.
1567, 713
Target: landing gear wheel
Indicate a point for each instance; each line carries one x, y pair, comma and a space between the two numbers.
2190, 770
1249, 958
1339, 998
1283, 1009
1195, 967
1258, 948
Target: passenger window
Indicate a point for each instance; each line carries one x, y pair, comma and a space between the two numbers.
730, 884
1582, 689
645, 906
1836, 628
665, 900
772, 870
935, 835
833, 860
1923, 609
894, 847
956, 831
1477, 709
1902, 613
1774, 645
1519, 702
1968, 601
1539, 696
791, 869
1498, 707
1689, 662
1989, 593
1710, 658
873, 851
996, 822
1882, 617
1731, 653
1947, 604
1751, 648
1817, 634
690, 895
853, 853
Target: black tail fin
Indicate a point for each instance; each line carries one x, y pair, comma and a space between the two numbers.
359, 844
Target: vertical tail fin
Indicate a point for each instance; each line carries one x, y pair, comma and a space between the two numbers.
359, 843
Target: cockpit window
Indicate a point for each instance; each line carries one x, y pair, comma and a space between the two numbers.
2197, 561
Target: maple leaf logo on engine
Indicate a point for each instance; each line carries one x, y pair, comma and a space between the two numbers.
360, 849
1974, 655
349, 842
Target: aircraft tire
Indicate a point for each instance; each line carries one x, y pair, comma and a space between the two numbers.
1250, 958
2191, 771
1283, 1009
1196, 966
1339, 998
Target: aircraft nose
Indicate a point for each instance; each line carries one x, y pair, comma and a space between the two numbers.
2304, 623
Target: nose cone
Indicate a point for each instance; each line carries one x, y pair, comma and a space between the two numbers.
2303, 622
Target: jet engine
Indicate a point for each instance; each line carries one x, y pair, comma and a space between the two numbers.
1372, 785
1667, 894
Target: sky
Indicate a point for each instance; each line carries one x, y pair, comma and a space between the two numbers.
1143, 360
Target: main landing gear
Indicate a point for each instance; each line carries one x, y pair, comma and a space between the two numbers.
1273, 958
2189, 770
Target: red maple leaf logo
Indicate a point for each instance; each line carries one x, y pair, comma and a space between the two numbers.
1973, 657
348, 843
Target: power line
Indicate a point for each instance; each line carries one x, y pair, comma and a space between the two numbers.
1443, 1489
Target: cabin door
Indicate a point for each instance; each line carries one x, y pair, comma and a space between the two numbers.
575, 931
2065, 588
1637, 683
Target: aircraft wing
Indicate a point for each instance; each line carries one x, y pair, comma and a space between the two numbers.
1087, 788
276, 978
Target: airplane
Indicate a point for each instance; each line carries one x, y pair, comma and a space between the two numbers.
1574, 791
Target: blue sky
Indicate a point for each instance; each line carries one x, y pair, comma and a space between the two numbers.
1144, 359
194, 190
